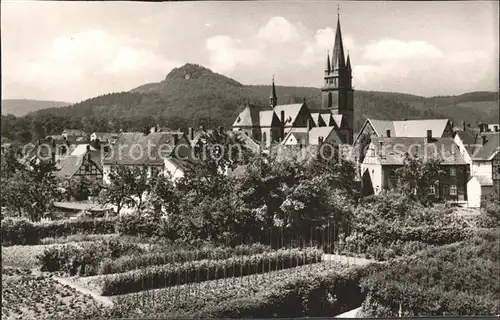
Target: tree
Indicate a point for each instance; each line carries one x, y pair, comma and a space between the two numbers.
416, 177
32, 190
163, 196
127, 186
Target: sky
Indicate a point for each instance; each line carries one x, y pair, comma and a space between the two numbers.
70, 51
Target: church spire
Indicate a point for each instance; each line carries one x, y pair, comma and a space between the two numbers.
338, 59
273, 98
348, 63
327, 65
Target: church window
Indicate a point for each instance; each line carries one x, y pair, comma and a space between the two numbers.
329, 99
264, 138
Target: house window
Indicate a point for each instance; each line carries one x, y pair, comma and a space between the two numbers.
453, 172
453, 190
264, 138
432, 189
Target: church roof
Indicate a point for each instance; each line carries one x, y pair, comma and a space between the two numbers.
266, 118
338, 59
249, 116
317, 132
291, 112
338, 119
327, 118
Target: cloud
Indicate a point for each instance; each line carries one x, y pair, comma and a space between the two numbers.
89, 54
227, 53
278, 29
315, 50
392, 49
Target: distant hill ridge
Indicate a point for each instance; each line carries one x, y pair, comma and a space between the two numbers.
21, 107
194, 95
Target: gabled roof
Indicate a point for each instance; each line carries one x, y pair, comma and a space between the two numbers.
249, 116
395, 148
74, 132
418, 128
327, 119
338, 119
468, 138
317, 132
291, 112
268, 118
132, 148
381, 126
70, 165
318, 119
489, 149
483, 180
299, 133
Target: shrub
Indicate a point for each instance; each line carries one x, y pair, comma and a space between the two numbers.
146, 226
22, 232
19, 232
84, 259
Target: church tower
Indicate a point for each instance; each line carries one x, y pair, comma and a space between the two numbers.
337, 92
273, 98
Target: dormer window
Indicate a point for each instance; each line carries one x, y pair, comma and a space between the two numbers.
238, 120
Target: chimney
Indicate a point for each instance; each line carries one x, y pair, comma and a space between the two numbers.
157, 128
221, 130
146, 131
481, 127
483, 139
497, 129
176, 139
388, 133
190, 134
88, 148
429, 135
464, 125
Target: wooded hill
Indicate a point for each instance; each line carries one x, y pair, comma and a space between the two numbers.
193, 95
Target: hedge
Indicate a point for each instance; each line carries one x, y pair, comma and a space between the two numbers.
84, 258
131, 262
202, 270
324, 295
23, 232
416, 300
456, 279
425, 234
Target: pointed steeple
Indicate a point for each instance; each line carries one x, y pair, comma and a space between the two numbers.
348, 63
327, 66
273, 98
338, 59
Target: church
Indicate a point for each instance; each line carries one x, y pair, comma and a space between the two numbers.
297, 124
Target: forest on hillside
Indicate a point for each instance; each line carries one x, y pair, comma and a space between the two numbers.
191, 96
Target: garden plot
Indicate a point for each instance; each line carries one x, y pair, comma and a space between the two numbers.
25, 296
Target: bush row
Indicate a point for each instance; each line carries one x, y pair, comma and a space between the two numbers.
455, 279
427, 234
434, 301
323, 295
23, 232
84, 258
202, 270
131, 262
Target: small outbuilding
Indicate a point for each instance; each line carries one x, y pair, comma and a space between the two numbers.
479, 190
